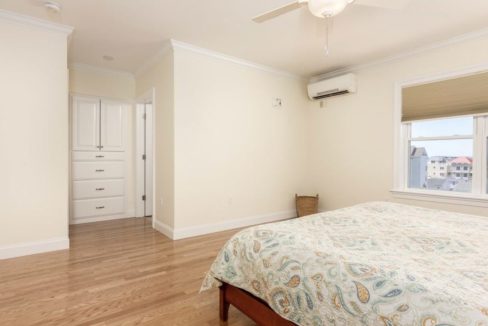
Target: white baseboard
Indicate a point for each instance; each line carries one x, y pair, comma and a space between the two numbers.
164, 229
83, 220
31, 248
193, 231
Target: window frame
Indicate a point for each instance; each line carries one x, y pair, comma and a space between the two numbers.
479, 195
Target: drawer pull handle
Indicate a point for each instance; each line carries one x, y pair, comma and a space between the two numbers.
99, 170
100, 207
99, 156
99, 189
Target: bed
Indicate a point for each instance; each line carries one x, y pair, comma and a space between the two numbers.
372, 264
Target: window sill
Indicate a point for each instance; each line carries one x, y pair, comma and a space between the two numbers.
442, 197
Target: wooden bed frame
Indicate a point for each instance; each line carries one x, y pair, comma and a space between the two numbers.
253, 307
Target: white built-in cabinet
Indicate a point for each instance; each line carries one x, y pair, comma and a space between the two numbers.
98, 174
99, 125
86, 124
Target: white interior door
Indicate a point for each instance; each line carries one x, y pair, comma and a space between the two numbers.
86, 123
148, 211
144, 160
140, 164
113, 121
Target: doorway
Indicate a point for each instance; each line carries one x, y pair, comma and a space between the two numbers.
144, 156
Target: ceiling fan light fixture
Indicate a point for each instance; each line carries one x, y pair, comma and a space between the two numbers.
53, 6
327, 8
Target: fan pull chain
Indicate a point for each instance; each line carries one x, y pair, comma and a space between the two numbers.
327, 27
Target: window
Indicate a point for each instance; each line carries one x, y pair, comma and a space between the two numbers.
453, 142
441, 138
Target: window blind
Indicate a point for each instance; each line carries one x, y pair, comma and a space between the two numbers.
453, 97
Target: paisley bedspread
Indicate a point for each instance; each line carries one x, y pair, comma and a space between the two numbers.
371, 264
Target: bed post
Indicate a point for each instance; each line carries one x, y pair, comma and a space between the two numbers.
224, 304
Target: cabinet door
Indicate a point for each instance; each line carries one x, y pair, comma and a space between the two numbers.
113, 126
86, 123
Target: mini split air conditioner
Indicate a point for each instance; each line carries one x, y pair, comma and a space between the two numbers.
332, 87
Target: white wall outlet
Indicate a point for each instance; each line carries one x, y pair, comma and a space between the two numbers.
277, 102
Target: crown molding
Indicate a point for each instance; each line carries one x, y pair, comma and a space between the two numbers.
172, 45
37, 22
95, 69
437, 45
217, 55
166, 48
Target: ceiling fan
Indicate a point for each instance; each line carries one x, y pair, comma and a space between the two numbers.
328, 8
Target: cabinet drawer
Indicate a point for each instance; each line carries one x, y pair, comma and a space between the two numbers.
98, 207
98, 156
97, 170
97, 188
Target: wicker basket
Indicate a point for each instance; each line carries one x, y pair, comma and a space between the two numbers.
307, 205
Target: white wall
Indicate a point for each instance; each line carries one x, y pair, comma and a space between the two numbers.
93, 81
236, 157
160, 77
33, 138
352, 137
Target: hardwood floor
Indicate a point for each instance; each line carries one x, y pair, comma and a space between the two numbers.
116, 273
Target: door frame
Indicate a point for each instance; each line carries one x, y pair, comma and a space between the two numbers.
147, 97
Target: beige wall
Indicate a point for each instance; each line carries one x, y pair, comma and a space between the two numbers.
236, 156
223, 153
33, 134
160, 77
87, 80
352, 137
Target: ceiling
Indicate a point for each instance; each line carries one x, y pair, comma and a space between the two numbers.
132, 31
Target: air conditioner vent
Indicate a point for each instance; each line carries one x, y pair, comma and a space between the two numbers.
332, 87
320, 97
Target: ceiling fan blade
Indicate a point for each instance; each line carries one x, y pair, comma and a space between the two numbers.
279, 11
387, 4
